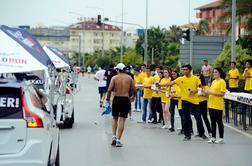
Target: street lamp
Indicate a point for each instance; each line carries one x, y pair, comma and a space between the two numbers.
233, 31
122, 38
103, 16
146, 36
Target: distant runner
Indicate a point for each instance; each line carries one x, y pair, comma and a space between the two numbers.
121, 84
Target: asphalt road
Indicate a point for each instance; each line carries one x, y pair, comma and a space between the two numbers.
88, 143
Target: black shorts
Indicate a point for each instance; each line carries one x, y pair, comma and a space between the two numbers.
102, 90
121, 106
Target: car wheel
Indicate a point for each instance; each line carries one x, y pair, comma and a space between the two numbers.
68, 123
57, 161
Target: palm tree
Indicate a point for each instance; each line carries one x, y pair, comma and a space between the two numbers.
174, 34
203, 27
244, 11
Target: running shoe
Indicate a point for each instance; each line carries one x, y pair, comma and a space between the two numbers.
204, 137
113, 141
212, 141
118, 143
171, 129
187, 138
220, 141
165, 127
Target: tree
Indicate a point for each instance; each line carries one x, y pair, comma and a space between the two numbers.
174, 34
244, 9
224, 59
203, 27
132, 58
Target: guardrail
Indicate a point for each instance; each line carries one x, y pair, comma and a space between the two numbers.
240, 104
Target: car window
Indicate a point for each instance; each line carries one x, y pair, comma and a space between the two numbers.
10, 103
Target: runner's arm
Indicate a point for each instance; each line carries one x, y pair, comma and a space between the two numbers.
111, 87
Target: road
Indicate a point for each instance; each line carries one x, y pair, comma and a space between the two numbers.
88, 143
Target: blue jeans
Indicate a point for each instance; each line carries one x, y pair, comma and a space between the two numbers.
145, 107
138, 99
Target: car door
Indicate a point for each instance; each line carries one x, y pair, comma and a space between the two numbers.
13, 127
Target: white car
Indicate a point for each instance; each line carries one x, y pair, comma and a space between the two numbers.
29, 135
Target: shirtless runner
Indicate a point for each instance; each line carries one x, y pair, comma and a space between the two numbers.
121, 84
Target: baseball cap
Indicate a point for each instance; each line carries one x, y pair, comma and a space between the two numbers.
120, 66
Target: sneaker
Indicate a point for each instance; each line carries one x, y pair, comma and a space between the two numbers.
118, 143
210, 135
204, 137
139, 110
113, 141
187, 139
135, 110
220, 141
149, 121
171, 129
165, 127
212, 141
154, 122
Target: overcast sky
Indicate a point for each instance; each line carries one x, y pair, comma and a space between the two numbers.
57, 12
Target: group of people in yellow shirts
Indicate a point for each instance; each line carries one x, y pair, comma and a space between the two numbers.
163, 90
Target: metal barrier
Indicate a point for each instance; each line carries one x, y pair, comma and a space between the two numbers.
241, 105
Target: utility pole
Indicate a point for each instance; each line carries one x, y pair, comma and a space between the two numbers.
146, 37
233, 31
122, 38
191, 35
152, 55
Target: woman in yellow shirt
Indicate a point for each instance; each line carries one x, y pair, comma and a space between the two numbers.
175, 94
216, 104
165, 97
248, 77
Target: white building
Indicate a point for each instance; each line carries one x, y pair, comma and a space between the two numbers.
130, 37
87, 36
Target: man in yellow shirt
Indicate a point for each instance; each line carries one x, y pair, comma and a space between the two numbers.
188, 85
147, 95
233, 78
143, 72
248, 77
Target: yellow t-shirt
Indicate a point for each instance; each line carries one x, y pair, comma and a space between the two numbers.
164, 98
178, 93
138, 79
202, 97
142, 75
217, 102
186, 83
156, 79
147, 91
248, 81
233, 83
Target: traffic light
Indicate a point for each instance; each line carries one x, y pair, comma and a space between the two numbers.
99, 21
186, 34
